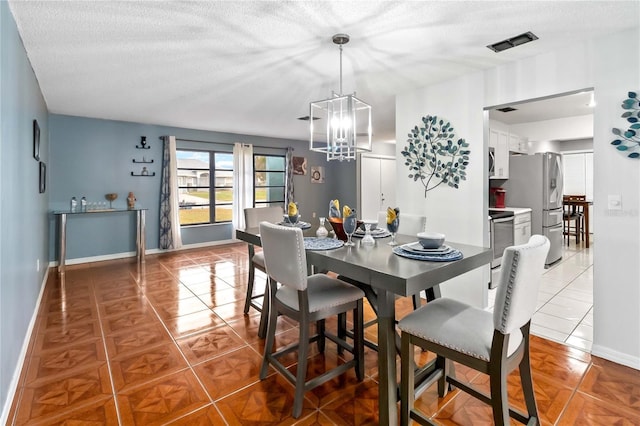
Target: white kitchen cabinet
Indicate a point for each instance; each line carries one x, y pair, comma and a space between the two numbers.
517, 144
521, 228
377, 185
499, 141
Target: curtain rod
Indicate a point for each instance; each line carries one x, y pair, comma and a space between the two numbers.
226, 143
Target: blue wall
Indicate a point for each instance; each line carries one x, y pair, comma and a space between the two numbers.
23, 210
91, 157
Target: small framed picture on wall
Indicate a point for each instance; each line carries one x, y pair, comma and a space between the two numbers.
36, 140
317, 174
43, 177
299, 165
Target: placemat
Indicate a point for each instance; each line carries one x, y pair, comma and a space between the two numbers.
313, 243
301, 225
448, 257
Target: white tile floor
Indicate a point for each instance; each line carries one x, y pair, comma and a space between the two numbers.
565, 302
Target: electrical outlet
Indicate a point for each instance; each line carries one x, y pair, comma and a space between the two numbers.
38, 265
313, 215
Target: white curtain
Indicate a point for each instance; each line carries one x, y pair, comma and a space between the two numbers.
170, 237
242, 182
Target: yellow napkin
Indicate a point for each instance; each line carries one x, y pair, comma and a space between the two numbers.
392, 214
334, 208
346, 211
293, 209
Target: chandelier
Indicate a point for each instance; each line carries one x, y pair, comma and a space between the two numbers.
347, 118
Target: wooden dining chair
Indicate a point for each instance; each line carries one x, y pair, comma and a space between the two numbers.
494, 343
306, 299
573, 217
252, 219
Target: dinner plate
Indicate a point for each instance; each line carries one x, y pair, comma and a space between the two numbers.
416, 247
301, 225
430, 257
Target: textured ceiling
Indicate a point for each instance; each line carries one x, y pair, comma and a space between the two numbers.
253, 66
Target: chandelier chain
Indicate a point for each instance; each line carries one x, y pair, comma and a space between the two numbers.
340, 70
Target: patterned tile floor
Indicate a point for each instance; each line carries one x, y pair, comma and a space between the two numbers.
170, 345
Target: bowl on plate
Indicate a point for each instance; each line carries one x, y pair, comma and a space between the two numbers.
373, 224
430, 240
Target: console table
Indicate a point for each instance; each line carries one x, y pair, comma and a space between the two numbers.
62, 233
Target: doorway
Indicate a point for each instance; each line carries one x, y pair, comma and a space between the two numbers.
563, 124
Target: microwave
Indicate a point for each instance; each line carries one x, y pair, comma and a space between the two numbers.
492, 161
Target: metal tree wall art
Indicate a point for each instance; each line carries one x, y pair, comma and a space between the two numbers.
629, 141
433, 156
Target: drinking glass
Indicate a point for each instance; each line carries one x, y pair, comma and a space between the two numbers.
349, 226
367, 240
393, 228
293, 219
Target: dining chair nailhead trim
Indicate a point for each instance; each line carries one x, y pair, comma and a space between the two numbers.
457, 349
507, 299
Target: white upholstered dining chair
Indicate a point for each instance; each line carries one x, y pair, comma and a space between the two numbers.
494, 343
306, 299
410, 224
252, 219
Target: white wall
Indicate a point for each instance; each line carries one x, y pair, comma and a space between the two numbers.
611, 66
461, 214
558, 129
616, 270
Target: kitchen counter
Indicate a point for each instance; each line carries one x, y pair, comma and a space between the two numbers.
515, 210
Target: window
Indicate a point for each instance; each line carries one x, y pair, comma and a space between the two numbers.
268, 180
197, 194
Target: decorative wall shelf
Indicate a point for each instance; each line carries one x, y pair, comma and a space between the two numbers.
144, 172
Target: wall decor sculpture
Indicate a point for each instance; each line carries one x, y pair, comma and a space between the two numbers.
434, 156
629, 140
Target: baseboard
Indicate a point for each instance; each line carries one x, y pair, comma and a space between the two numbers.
13, 386
615, 356
115, 256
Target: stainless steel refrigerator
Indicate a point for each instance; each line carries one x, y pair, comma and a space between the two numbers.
535, 181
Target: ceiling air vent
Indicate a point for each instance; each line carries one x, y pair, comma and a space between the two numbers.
506, 109
513, 42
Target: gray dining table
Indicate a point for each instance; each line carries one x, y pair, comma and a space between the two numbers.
390, 275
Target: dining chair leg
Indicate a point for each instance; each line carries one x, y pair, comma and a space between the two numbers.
270, 332
320, 329
443, 365
499, 397
358, 339
264, 314
407, 381
416, 301
301, 373
342, 330
526, 379
247, 300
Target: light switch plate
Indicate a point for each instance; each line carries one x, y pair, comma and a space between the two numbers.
614, 202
